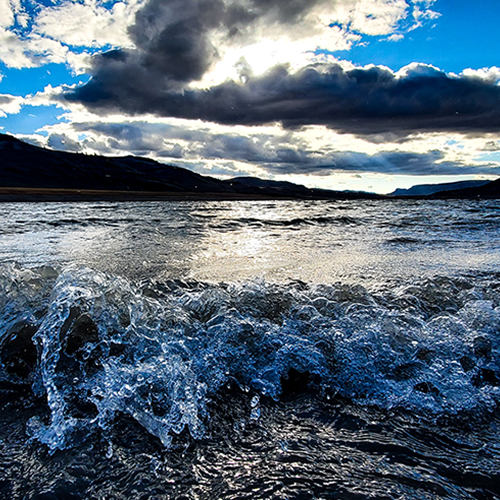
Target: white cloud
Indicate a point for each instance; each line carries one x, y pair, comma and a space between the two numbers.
89, 23
419, 69
382, 17
29, 51
260, 56
58, 28
10, 12
378, 17
422, 12
396, 37
10, 104
331, 26
487, 75
12, 51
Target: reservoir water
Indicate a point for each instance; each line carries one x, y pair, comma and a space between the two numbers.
250, 349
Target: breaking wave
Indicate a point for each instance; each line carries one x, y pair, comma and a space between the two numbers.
92, 346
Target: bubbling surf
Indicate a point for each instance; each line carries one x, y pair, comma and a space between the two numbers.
95, 345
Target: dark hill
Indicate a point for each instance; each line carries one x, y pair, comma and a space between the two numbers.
490, 190
289, 189
428, 189
30, 172
26, 166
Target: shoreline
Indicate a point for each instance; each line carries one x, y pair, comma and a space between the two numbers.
69, 195
24, 194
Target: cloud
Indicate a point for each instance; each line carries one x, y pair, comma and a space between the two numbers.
385, 162
7, 16
375, 17
176, 44
369, 100
62, 142
88, 23
423, 13
492, 146
396, 37
33, 34
485, 75
158, 34
261, 152
10, 104
19, 48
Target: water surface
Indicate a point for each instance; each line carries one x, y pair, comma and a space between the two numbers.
283, 349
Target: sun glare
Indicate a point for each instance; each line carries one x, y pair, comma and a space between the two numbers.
240, 63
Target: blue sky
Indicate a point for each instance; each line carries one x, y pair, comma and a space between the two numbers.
462, 37
344, 94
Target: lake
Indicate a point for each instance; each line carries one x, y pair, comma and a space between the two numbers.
250, 349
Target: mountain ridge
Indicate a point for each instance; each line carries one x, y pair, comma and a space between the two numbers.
24, 165
429, 189
31, 173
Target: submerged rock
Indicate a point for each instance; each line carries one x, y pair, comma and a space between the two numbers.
296, 382
18, 354
482, 347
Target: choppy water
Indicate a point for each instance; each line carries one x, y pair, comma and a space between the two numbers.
288, 350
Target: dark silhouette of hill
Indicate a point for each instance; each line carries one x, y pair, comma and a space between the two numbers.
428, 189
489, 190
28, 166
33, 173
289, 189
31, 167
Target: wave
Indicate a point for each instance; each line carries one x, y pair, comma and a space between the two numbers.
296, 222
403, 240
91, 346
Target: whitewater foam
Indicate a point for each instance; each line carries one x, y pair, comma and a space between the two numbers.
160, 351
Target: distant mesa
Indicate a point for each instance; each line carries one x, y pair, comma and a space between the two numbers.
490, 190
428, 189
451, 190
32, 173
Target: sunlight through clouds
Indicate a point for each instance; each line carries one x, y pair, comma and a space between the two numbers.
229, 87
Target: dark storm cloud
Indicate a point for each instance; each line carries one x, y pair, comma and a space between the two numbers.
279, 155
172, 41
367, 101
176, 42
174, 45
384, 162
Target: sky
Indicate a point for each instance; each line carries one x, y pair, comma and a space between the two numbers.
367, 95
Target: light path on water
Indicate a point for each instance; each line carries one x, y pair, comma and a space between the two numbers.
320, 241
